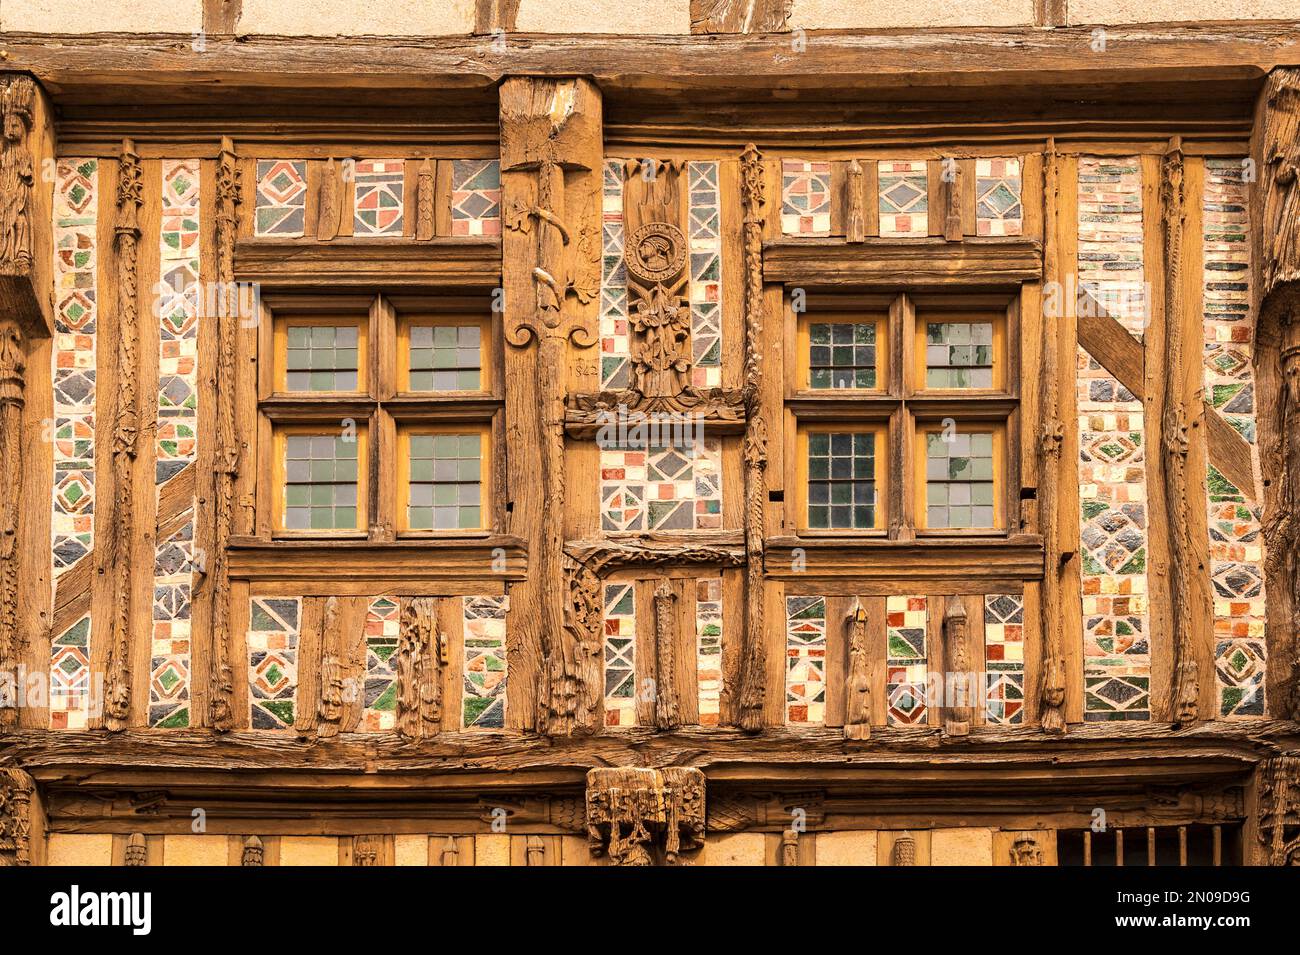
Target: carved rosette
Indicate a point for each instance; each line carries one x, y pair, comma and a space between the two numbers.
16, 788
641, 816
659, 323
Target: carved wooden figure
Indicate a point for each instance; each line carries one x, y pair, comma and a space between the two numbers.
857, 690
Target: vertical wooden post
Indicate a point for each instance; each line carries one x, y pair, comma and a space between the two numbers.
551, 150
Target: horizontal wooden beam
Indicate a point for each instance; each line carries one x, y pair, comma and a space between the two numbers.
891, 263
367, 263
1021, 57
328, 564
876, 565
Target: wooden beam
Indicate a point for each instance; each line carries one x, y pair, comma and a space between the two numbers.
902, 564
891, 263
370, 263
413, 561
740, 16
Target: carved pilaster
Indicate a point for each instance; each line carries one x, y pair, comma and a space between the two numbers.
331, 706
126, 433
137, 850
329, 202
1276, 214
226, 457
857, 691
419, 670
790, 847
1279, 810
16, 793
254, 853
753, 655
424, 201
904, 851
855, 216
667, 716
956, 711
551, 149
642, 816
13, 383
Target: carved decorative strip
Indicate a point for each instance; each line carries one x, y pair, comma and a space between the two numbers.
1112, 453
620, 654
273, 629
805, 197
904, 199
13, 384
484, 704
379, 713
1004, 659
76, 262
705, 263
1236, 541
805, 664
615, 342
16, 789
998, 210
476, 197
280, 207
708, 648
906, 660
379, 197
661, 487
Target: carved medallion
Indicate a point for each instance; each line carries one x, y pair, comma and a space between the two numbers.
656, 252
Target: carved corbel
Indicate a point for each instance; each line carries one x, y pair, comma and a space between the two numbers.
643, 816
16, 793
956, 711
1025, 851
857, 697
126, 432
419, 671
253, 853
221, 680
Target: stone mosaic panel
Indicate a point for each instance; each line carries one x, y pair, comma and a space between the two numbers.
1004, 659
1112, 461
273, 628
805, 661
708, 648
378, 190
620, 654
998, 209
76, 263
280, 199
805, 197
906, 658
475, 197
483, 704
169, 655
704, 240
904, 197
70, 677
1236, 542
379, 712
662, 487
178, 319
615, 345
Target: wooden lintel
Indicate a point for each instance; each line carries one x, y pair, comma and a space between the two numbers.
904, 562
500, 558
370, 263
815, 263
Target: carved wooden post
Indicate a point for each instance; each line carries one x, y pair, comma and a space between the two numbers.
1279, 809
904, 850
535, 851
857, 692
253, 853
331, 705
137, 850
419, 670
126, 432
1051, 689
17, 791
753, 657
667, 716
855, 218
424, 201
226, 459
26, 256
790, 847
1276, 212
956, 711
551, 150
450, 852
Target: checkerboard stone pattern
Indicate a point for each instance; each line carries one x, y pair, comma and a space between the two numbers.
1004, 659
280, 198
704, 241
906, 660
483, 704
615, 346
169, 658
620, 654
273, 630
1236, 541
663, 487
998, 209
904, 196
805, 197
475, 197
805, 663
378, 190
379, 712
1112, 455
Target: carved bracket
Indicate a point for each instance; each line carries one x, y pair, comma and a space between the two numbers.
641, 816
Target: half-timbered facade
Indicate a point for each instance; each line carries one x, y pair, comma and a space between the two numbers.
761, 445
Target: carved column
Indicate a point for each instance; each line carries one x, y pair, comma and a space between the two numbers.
16, 794
640, 816
226, 458
1276, 214
753, 655
667, 716
419, 670
857, 692
956, 710
126, 431
13, 381
551, 150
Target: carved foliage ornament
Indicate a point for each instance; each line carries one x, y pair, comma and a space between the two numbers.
638, 816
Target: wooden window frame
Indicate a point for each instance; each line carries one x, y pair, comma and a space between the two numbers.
404, 432
278, 486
